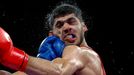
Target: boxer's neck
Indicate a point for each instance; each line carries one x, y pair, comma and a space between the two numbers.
84, 44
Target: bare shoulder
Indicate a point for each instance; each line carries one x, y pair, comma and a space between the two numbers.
78, 51
89, 51
89, 60
91, 56
93, 62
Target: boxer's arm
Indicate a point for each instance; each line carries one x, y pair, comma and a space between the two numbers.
77, 59
19, 73
71, 58
3, 72
67, 67
94, 61
17, 59
38, 66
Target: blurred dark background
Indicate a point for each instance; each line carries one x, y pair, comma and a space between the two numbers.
110, 29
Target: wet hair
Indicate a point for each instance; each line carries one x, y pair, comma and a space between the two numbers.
63, 10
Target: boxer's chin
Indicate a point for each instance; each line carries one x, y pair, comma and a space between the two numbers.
70, 44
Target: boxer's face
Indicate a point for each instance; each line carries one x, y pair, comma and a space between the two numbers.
69, 29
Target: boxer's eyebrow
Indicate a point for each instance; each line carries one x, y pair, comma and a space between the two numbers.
70, 20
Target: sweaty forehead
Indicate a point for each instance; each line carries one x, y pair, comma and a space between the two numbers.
63, 18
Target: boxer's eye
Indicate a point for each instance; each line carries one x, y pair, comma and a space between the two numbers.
72, 21
59, 24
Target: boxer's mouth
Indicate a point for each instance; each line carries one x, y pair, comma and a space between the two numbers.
70, 38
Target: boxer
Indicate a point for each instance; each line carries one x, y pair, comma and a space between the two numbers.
67, 23
75, 56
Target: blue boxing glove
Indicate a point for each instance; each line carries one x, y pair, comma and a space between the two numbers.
51, 48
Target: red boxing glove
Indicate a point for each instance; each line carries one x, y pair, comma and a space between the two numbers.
11, 56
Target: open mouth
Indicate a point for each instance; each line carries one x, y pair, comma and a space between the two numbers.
70, 38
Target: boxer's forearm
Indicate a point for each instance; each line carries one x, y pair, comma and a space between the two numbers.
3, 72
19, 73
71, 60
37, 66
67, 67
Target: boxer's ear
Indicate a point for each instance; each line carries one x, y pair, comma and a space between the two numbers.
50, 33
84, 27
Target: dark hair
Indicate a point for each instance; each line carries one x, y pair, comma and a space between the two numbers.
62, 10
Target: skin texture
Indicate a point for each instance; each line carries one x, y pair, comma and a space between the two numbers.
80, 61
2, 72
74, 27
75, 61
77, 58
38, 66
